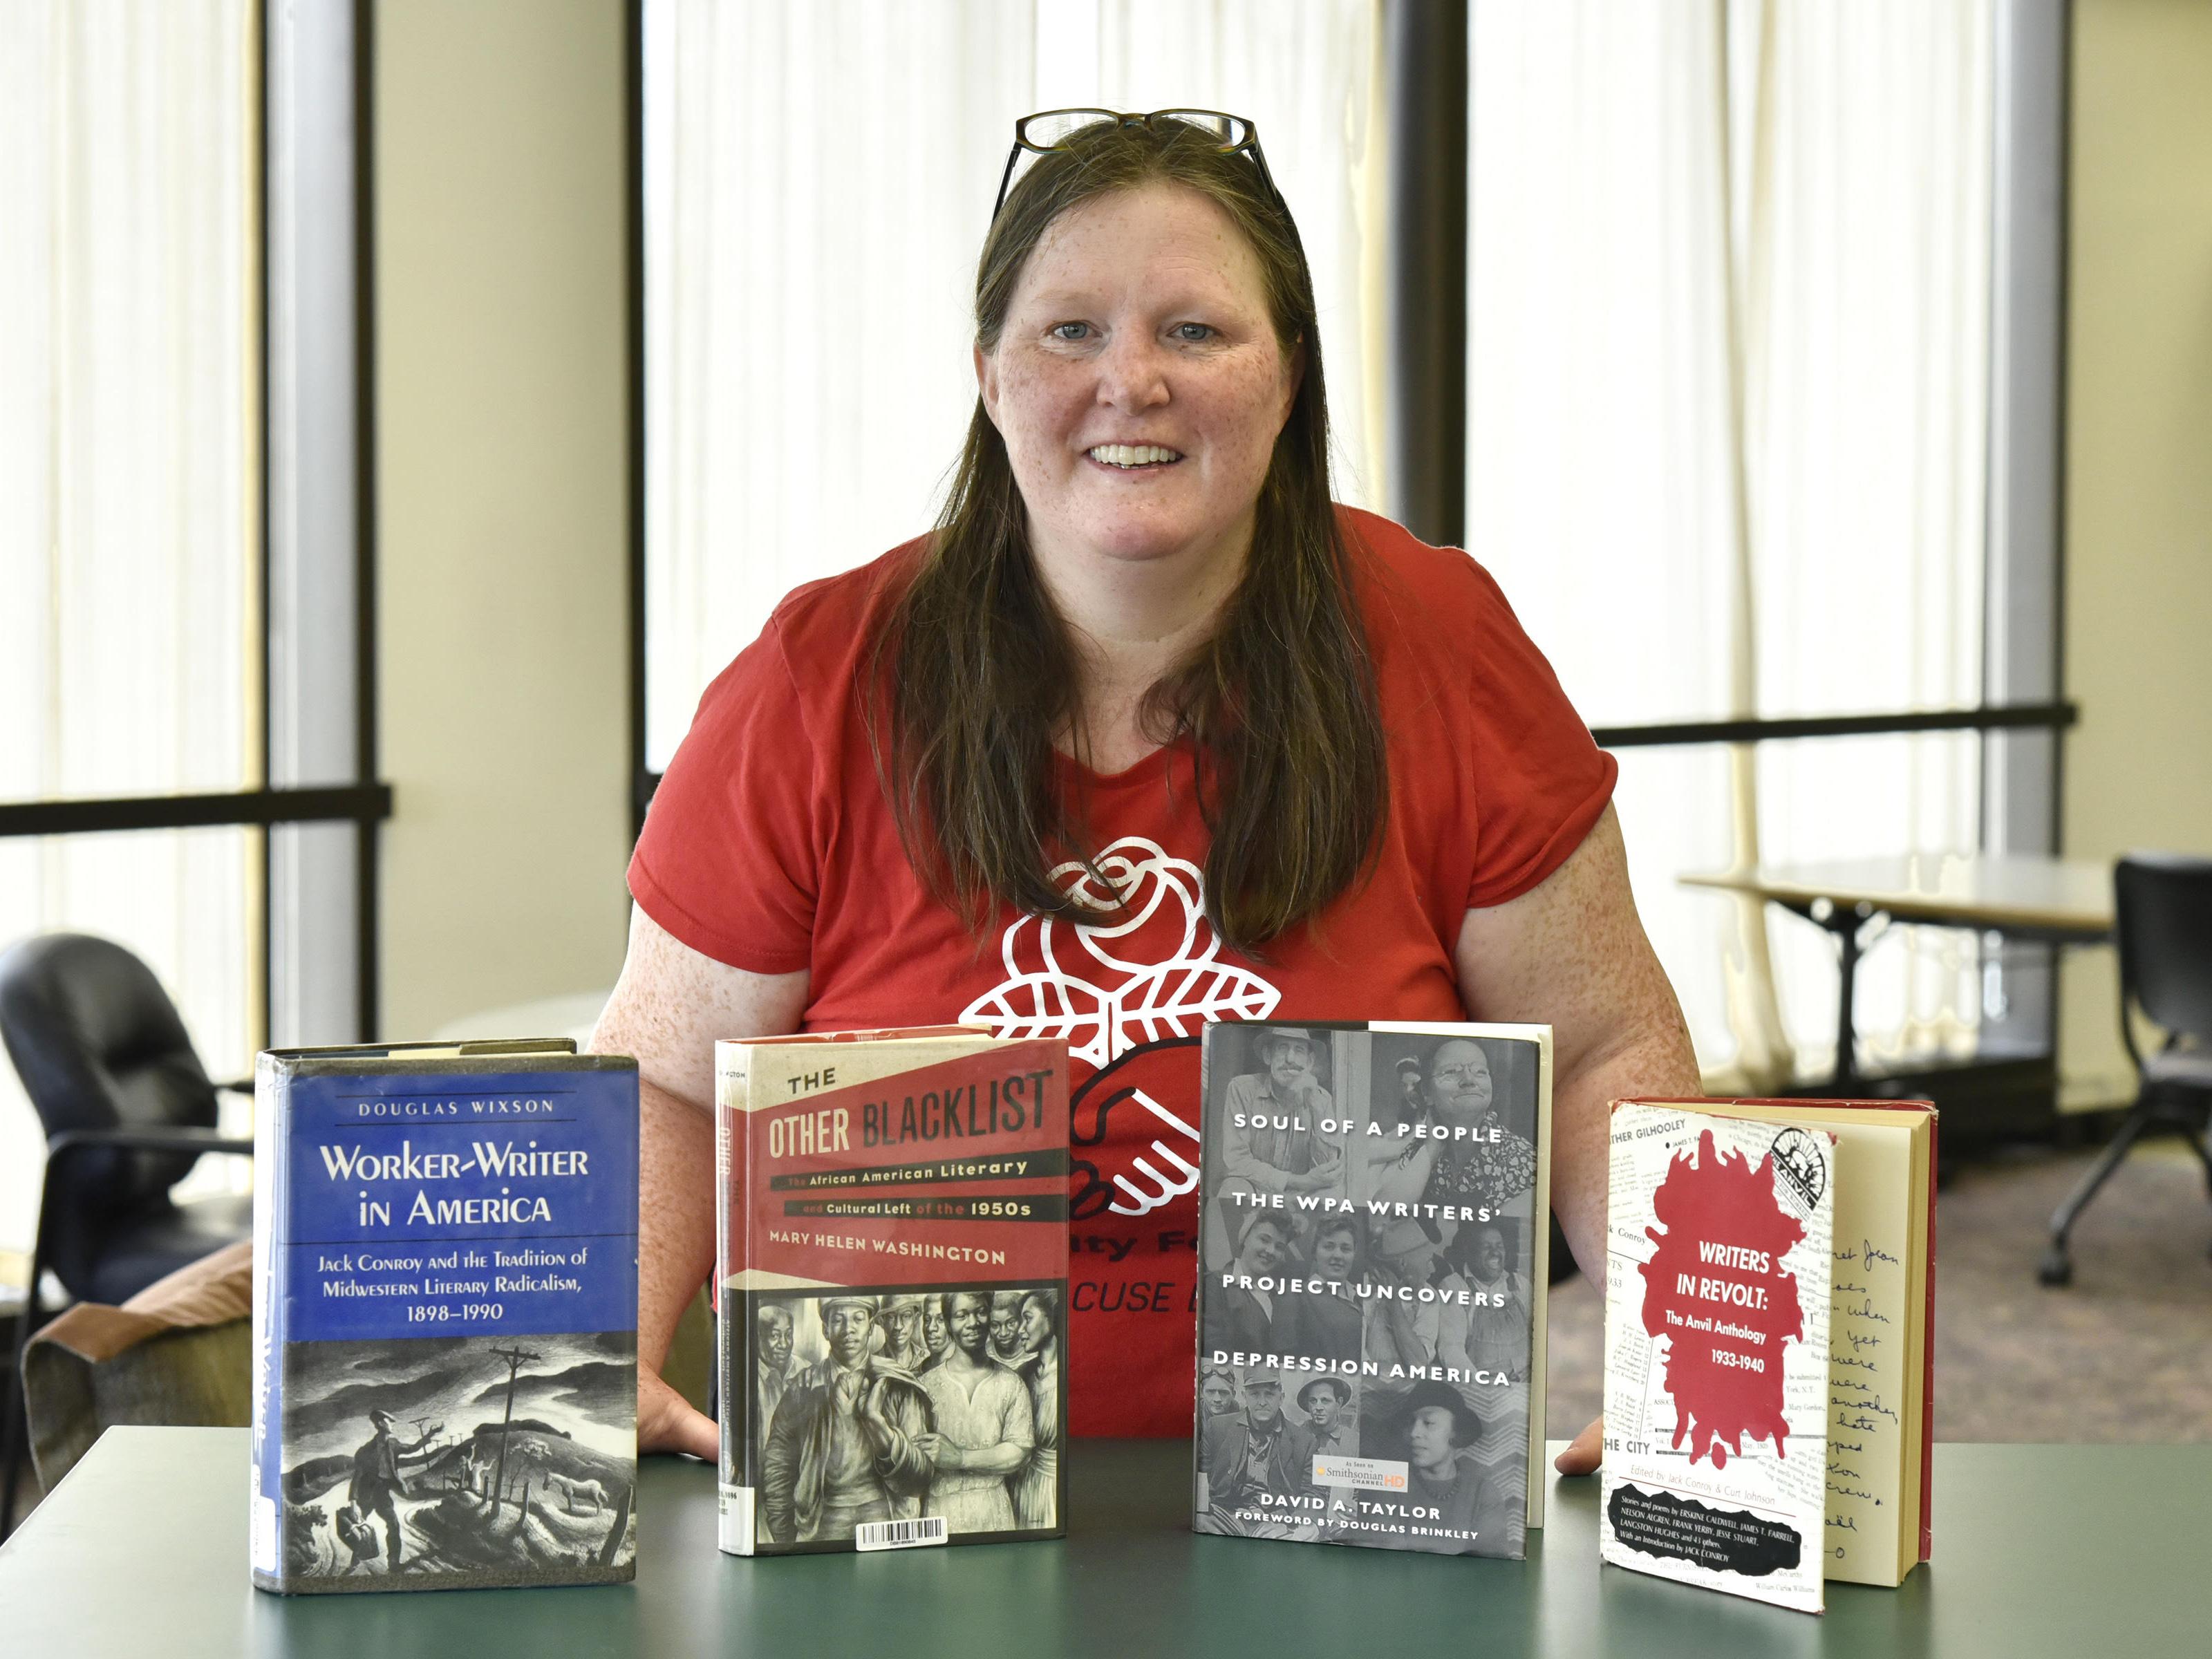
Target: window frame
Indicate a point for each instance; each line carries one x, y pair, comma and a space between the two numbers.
362, 800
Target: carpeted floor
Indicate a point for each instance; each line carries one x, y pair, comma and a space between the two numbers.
2123, 1353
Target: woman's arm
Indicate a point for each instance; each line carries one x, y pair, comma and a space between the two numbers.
1570, 953
668, 1008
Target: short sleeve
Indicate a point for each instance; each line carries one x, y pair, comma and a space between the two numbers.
1539, 782
729, 860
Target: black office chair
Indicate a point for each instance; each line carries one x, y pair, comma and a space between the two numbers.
128, 1110
2162, 916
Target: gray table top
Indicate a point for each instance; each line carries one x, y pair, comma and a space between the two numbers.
2062, 899
2039, 1550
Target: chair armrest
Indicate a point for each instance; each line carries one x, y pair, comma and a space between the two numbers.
63, 1147
176, 1139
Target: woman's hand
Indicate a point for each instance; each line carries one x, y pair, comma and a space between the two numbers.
666, 1421
1587, 1451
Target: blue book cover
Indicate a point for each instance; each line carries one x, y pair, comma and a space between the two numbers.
445, 1317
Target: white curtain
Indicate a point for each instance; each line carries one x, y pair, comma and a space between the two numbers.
1727, 364
818, 182
128, 629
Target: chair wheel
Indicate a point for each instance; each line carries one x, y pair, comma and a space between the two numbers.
2058, 1266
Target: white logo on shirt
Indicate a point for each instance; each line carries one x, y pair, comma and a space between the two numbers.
1165, 1187
1151, 972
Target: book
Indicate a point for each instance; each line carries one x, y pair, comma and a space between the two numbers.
891, 1276
1770, 1255
445, 1317
1374, 1255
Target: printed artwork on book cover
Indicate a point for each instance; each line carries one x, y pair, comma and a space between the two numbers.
1371, 1305
1716, 1352
894, 1343
459, 1455
901, 1404
445, 1348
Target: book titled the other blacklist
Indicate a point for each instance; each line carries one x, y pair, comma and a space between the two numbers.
891, 1230
445, 1317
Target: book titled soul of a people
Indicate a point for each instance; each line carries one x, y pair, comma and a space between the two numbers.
445, 1317
892, 1228
1375, 1248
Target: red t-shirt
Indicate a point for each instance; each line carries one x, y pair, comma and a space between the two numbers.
770, 847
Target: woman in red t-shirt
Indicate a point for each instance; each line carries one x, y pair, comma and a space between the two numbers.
1147, 733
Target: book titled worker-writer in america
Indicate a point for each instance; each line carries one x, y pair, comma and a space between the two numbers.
445, 1317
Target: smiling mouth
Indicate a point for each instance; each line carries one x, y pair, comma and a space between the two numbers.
1133, 458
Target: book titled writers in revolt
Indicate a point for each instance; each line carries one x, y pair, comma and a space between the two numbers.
445, 1317
1769, 1309
891, 1228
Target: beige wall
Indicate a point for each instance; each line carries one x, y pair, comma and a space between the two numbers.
502, 500
2139, 465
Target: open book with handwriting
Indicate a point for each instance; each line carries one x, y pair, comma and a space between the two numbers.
1750, 1241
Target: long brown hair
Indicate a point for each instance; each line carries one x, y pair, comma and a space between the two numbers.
979, 672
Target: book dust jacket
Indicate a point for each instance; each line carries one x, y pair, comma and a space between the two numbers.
1374, 1247
1718, 1298
892, 1287
444, 1318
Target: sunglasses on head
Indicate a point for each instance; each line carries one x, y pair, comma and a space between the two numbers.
1058, 129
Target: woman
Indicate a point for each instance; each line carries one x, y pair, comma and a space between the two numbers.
1458, 1096
1325, 1323
1467, 1514
1144, 727
1498, 1324
1036, 1485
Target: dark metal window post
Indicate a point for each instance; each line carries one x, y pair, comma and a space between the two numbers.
1425, 46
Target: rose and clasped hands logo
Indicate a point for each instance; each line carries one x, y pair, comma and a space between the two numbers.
1136, 986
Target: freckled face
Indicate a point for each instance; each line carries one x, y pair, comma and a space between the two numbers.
1140, 319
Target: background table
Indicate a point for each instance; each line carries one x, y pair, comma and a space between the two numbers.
2068, 1550
2035, 900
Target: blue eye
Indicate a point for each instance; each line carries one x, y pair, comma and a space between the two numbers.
1058, 330
1194, 333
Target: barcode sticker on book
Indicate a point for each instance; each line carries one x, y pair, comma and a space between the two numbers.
734, 1521
900, 1534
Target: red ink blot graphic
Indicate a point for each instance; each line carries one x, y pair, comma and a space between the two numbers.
1714, 1288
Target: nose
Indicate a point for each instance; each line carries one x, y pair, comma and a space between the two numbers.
1132, 372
